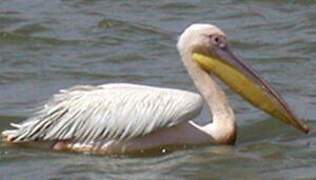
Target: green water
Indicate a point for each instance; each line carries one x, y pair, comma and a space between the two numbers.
49, 45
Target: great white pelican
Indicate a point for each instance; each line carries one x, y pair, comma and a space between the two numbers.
126, 118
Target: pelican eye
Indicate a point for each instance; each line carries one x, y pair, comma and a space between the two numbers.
218, 41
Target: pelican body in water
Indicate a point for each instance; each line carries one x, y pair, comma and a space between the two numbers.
127, 118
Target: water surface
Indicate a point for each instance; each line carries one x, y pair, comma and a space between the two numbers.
50, 45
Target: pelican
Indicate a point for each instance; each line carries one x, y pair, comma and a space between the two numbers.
127, 118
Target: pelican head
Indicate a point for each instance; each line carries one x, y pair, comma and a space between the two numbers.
205, 46
198, 38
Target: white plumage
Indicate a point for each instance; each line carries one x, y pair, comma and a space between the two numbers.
109, 112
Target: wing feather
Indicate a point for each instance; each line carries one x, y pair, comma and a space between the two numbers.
108, 112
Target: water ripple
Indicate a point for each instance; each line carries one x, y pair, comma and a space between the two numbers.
51, 45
